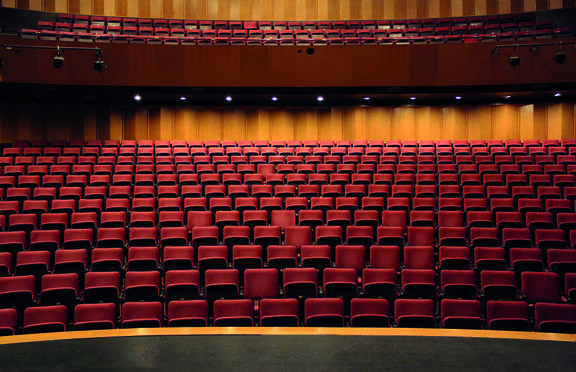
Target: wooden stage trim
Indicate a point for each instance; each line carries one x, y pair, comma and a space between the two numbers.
303, 331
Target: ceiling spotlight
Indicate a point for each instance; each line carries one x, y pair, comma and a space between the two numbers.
228, 98
137, 97
458, 97
320, 98
506, 96
560, 57
514, 61
182, 98
557, 95
274, 99
413, 98
366, 98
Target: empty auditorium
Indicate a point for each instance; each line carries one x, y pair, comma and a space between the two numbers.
310, 185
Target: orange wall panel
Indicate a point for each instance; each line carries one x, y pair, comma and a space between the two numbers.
527, 121
288, 9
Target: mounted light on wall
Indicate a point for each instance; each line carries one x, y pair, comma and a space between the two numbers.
58, 60
99, 65
560, 56
514, 61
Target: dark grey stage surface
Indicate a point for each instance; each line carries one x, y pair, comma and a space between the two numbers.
289, 353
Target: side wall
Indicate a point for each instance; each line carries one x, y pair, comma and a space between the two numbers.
289, 9
34, 121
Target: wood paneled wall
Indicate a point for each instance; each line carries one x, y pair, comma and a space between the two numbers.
289, 9
553, 121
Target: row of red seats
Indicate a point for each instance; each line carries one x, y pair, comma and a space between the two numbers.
511, 229
47, 254
504, 315
217, 198
261, 285
104, 171
291, 151
284, 166
326, 197
111, 31
293, 143
71, 19
564, 32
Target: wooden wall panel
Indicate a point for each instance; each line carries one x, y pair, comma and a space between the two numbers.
32, 124
185, 123
288, 9
84, 123
403, 123
457, 8
429, 123
354, 124
479, 122
234, 124
454, 123
281, 124
528, 121
37, 5
116, 124
378, 123
505, 122
561, 120
195, 9
8, 122
257, 124
209, 124
58, 123
330, 124
305, 124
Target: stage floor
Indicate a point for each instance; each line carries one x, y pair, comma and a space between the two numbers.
260, 349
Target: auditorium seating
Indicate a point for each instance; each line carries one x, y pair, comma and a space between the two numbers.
348, 233
82, 28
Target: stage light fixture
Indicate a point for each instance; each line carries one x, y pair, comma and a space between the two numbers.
58, 60
560, 57
99, 66
514, 61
